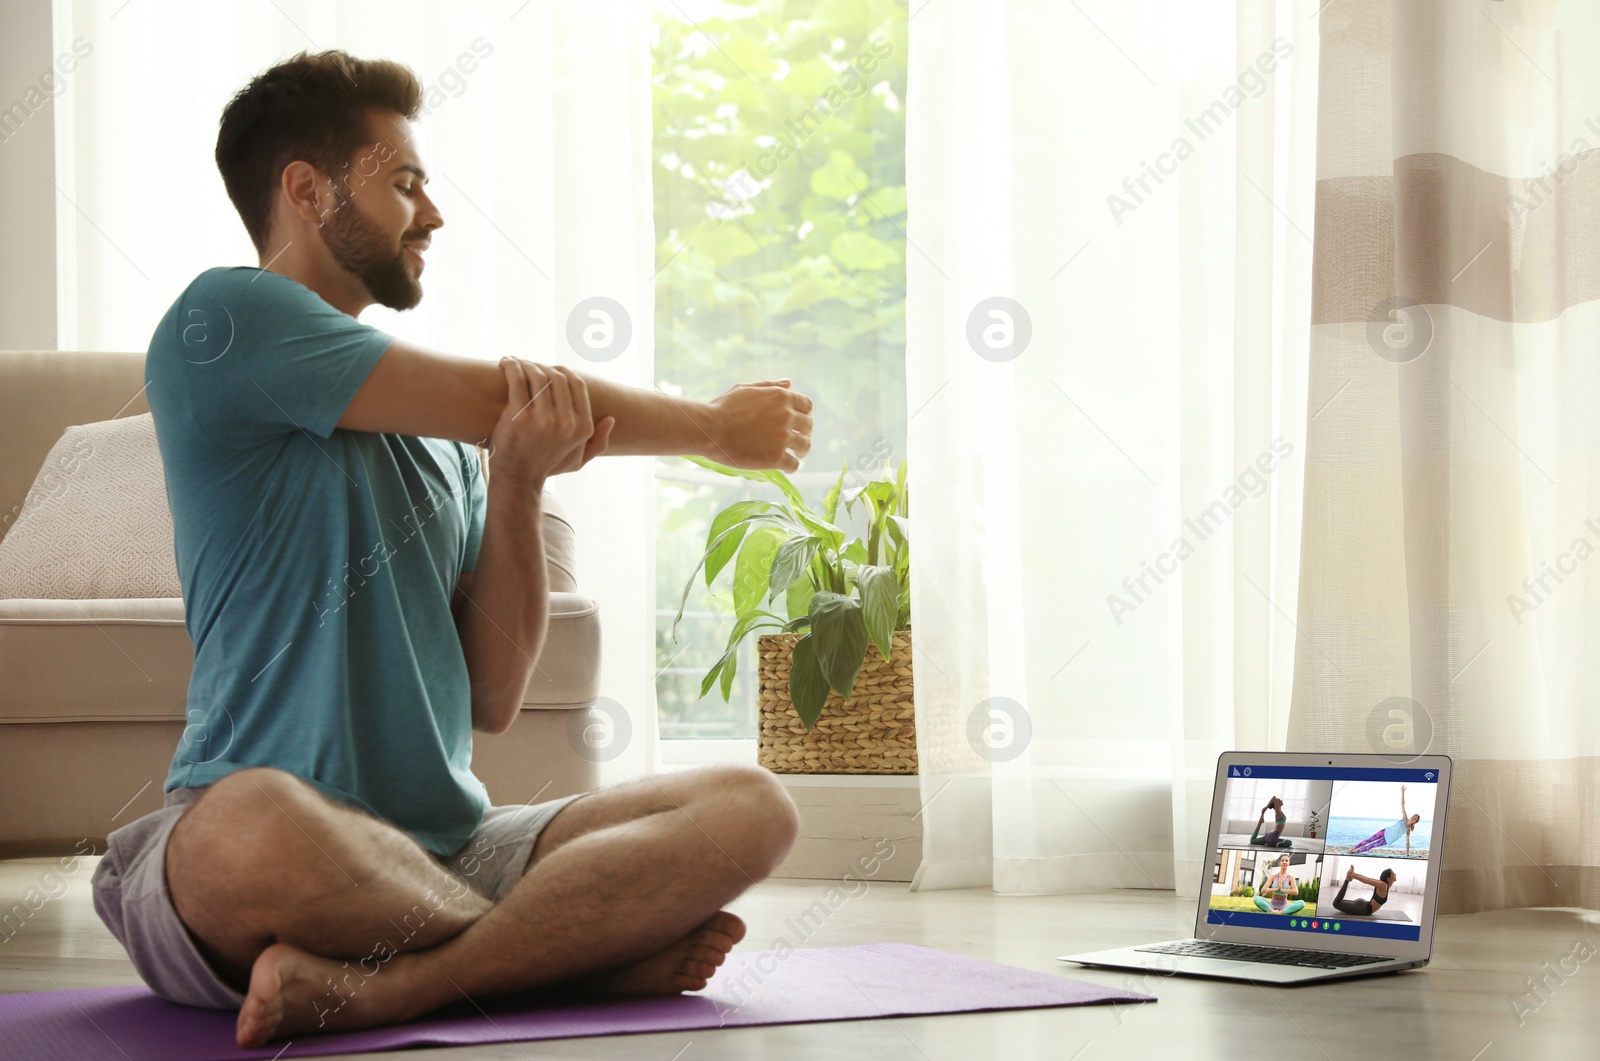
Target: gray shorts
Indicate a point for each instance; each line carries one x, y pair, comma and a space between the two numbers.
131, 896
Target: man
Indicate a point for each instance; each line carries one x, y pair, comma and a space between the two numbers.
361, 596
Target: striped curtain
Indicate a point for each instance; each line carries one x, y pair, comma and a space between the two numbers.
1449, 583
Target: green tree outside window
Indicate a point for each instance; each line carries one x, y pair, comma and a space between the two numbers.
780, 212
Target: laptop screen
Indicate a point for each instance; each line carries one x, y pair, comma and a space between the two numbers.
1325, 850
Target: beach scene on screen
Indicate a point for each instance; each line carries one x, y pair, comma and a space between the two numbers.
1380, 818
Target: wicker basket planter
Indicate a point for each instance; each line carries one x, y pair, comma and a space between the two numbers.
874, 733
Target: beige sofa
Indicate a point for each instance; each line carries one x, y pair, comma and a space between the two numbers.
92, 692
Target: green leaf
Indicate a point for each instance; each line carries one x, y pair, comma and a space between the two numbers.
807, 686
719, 553
726, 544
855, 552
711, 677
733, 534
728, 670
828, 572
830, 501
875, 492
798, 600
830, 535
767, 475
841, 638
880, 602
754, 567
880, 490
840, 178
790, 564
888, 202
747, 54
857, 250
900, 529
810, 77
728, 663
725, 243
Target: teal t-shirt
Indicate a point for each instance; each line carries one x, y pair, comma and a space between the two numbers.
317, 563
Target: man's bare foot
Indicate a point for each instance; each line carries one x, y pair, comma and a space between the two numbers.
687, 964
294, 991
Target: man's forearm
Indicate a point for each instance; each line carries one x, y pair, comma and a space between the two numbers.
650, 423
502, 623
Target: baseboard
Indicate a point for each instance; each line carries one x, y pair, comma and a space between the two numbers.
51, 846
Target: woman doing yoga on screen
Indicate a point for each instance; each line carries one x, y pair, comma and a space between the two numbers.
1364, 907
1278, 887
1271, 838
1391, 834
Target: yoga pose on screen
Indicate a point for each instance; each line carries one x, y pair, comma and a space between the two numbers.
1391, 834
1278, 888
1364, 907
1271, 838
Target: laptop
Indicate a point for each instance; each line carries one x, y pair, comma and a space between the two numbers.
1322, 867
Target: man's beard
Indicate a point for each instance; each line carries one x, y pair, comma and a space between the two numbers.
359, 247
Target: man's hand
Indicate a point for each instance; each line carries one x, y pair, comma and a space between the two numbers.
546, 427
761, 425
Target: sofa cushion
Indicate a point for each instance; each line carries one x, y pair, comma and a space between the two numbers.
93, 660
95, 523
560, 547
130, 659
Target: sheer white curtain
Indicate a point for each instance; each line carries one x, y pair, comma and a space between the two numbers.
1106, 511
537, 142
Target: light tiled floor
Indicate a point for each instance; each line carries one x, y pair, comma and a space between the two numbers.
1460, 1007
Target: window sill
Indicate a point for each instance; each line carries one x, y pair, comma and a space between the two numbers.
846, 819
685, 754
682, 754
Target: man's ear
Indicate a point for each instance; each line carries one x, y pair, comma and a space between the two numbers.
308, 193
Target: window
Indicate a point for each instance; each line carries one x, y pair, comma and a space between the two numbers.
780, 207
1246, 797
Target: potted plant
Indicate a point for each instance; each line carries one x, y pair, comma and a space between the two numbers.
835, 673
1314, 824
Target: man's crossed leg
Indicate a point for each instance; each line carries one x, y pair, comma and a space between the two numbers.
285, 891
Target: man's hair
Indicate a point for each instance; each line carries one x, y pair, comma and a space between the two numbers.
309, 108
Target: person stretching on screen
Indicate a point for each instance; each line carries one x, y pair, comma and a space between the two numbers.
1364, 907
364, 595
1271, 838
1279, 887
1391, 834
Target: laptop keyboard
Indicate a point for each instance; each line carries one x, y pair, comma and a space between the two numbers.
1242, 952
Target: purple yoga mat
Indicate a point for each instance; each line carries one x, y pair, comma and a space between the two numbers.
823, 984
